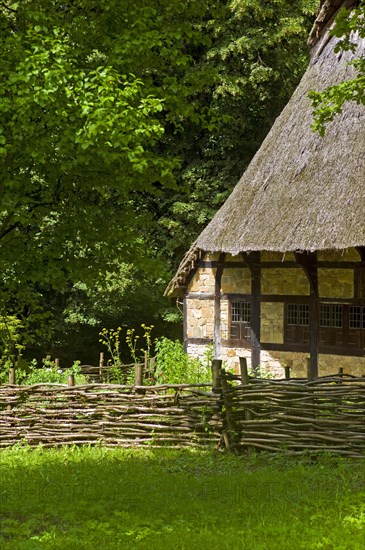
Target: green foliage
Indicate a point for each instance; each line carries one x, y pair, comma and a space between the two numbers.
11, 343
148, 340
174, 366
123, 127
257, 54
110, 338
87, 498
330, 102
132, 343
76, 82
50, 373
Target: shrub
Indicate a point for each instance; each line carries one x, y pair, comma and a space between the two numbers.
174, 366
50, 373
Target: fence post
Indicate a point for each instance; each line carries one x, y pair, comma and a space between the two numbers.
229, 434
340, 374
138, 374
101, 366
71, 380
57, 363
244, 371
12, 377
216, 378
245, 382
287, 368
309, 370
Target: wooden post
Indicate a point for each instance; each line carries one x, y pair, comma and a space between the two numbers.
101, 366
138, 374
12, 376
216, 379
340, 374
313, 336
309, 370
185, 321
217, 313
244, 371
245, 382
57, 363
308, 261
229, 434
253, 261
71, 380
146, 361
287, 368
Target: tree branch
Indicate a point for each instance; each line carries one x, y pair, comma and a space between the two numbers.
8, 7
9, 230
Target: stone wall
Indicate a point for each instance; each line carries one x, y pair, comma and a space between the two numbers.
273, 362
199, 318
284, 281
236, 280
203, 280
335, 283
272, 322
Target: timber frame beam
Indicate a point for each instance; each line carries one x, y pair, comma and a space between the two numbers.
308, 261
361, 251
253, 262
217, 307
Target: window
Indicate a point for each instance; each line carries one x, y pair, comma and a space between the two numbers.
296, 330
240, 320
340, 325
356, 326
331, 323
298, 314
331, 316
296, 323
357, 317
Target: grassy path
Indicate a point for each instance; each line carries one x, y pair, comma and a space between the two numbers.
84, 498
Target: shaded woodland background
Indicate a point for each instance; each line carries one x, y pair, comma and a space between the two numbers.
123, 128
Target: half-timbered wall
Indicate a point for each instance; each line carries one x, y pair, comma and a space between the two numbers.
284, 311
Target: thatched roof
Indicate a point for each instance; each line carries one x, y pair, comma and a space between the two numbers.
301, 191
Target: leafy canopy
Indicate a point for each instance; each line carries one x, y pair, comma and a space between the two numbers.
123, 127
330, 102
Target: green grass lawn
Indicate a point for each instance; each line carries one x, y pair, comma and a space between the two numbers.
97, 498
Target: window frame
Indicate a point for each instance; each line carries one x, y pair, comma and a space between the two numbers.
335, 332
241, 326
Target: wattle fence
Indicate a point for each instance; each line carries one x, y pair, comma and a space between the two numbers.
292, 416
297, 417
114, 415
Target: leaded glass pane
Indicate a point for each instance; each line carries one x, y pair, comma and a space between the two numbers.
292, 314
355, 320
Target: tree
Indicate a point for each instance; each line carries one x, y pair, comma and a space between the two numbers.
82, 114
123, 127
329, 103
258, 54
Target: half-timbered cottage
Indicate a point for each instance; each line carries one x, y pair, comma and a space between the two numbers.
278, 275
